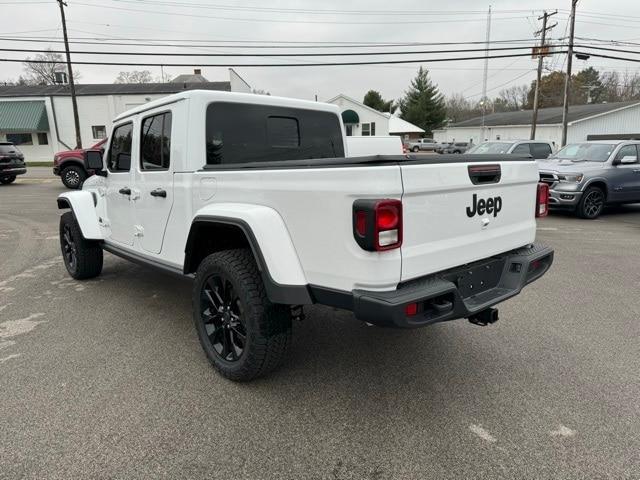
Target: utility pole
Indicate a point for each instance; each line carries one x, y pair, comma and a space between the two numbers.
483, 100
541, 55
72, 86
567, 81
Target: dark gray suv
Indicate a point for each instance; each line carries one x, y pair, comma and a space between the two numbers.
584, 177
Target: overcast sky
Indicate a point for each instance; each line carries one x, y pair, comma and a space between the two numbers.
398, 21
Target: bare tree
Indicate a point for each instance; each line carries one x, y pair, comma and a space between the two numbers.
135, 76
43, 72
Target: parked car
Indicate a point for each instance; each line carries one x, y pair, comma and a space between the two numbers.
69, 165
253, 197
584, 177
536, 148
422, 144
11, 163
456, 147
441, 146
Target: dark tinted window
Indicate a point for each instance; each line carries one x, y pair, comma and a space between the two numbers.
522, 149
20, 138
540, 150
240, 133
119, 158
155, 142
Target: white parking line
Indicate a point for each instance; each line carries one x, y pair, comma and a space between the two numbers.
482, 433
13, 355
563, 431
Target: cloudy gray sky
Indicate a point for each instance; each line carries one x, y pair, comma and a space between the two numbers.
327, 21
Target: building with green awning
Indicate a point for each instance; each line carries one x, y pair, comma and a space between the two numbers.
19, 117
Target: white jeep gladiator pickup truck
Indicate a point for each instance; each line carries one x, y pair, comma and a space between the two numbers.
254, 198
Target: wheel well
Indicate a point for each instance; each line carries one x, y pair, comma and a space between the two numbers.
206, 238
602, 186
63, 203
71, 161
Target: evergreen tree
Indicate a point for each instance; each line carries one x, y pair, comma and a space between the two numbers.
423, 105
373, 99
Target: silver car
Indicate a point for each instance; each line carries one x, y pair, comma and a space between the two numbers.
584, 177
536, 148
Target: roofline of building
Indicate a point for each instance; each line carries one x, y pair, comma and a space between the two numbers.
382, 114
604, 113
503, 126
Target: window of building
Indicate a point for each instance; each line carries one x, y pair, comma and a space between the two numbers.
43, 139
373, 128
99, 131
119, 156
349, 128
155, 143
242, 133
20, 138
366, 130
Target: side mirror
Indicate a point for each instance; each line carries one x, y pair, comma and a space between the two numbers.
629, 159
93, 161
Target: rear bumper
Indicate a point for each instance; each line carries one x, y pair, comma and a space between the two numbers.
452, 294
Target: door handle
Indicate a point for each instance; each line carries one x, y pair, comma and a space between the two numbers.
158, 192
125, 191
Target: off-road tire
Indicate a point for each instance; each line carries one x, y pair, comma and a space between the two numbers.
7, 180
86, 260
587, 207
73, 176
267, 326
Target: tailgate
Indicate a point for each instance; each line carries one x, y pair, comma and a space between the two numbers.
449, 221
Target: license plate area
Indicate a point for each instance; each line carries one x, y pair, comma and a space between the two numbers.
476, 279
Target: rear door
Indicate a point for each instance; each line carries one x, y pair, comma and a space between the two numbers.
154, 180
458, 212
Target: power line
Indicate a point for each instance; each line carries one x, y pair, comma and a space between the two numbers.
240, 44
324, 64
284, 54
288, 21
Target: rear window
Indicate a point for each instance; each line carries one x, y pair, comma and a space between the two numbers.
8, 148
240, 133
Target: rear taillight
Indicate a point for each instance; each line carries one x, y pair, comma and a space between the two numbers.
377, 224
542, 200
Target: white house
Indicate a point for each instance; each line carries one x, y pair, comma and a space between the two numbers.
359, 119
39, 118
599, 121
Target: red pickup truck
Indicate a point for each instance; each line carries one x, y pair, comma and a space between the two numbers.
69, 165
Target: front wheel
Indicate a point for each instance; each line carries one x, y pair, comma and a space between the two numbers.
73, 176
415, 149
243, 334
591, 204
8, 180
83, 258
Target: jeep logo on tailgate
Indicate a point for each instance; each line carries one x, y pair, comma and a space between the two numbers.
482, 206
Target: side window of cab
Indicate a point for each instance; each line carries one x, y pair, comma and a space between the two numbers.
119, 155
627, 151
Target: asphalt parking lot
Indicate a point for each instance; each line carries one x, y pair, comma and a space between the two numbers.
106, 378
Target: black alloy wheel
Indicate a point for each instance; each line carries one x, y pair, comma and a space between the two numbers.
592, 203
69, 249
221, 312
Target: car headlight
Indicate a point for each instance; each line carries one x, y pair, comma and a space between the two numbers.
571, 177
